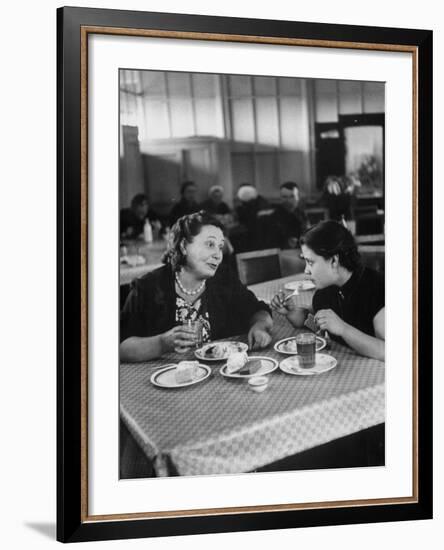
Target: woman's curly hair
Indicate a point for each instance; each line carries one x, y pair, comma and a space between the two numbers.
184, 231
329, 238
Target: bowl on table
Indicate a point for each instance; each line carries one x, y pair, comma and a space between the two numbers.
258, 384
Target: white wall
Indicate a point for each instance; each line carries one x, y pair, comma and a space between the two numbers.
28, 276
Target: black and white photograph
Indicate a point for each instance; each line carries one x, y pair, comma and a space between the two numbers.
252, 273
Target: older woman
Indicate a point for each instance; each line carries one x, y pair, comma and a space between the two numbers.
349, 299
192, 285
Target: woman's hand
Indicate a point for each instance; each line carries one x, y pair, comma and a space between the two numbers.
181, 336
327, 319
258, 337
283, 306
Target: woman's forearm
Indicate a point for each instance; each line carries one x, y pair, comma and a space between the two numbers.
364, 343
262, 317
297, 317
136, 349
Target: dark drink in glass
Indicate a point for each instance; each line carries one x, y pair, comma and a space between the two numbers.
306, 348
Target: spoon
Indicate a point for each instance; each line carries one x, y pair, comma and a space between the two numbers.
294, 293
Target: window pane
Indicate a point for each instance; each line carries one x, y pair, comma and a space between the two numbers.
267, 121
242, 119
239, 86
264, 86
326, 106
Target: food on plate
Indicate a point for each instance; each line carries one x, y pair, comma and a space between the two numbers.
215, 351
221, 350
250, 367
236, 361
253, 366
290, 346
186, 371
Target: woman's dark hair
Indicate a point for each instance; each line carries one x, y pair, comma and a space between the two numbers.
329, 238
184, 230
185, 186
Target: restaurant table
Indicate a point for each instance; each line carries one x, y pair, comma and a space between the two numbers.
151, 252
220, 426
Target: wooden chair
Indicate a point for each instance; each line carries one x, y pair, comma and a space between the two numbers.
258, 266
291, 262
373, 256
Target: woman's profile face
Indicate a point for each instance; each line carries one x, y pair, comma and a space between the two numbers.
319, 269
204, 253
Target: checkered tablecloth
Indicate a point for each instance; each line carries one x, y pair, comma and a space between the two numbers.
220, 426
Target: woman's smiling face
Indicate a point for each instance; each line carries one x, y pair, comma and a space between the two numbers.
320, 270
204, 253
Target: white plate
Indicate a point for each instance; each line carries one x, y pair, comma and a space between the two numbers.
305, 284
320, 345
226, 347
268, 365
323, 363
165, 377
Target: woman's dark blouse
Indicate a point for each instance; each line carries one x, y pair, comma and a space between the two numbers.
357, 302
151, 305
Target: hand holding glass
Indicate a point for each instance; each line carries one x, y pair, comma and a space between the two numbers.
189, 336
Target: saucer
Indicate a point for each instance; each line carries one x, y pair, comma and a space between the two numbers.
323, 363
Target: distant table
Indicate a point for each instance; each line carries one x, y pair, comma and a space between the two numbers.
151, 252
220, 426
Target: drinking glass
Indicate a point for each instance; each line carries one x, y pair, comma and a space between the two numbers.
196, 327
306, 348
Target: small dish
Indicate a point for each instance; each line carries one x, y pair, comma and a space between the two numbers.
322, 364
258, 384
305, 284
255, 366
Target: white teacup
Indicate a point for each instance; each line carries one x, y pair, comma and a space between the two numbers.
258, 383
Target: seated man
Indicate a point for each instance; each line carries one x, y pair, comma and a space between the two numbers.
289, 220
132, 220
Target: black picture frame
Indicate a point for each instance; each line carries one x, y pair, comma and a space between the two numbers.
73, 522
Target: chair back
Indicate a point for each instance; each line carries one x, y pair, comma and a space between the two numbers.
373, 256
316, 215
258, 266
369, 223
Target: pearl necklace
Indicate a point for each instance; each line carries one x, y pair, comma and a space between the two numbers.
189, 292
